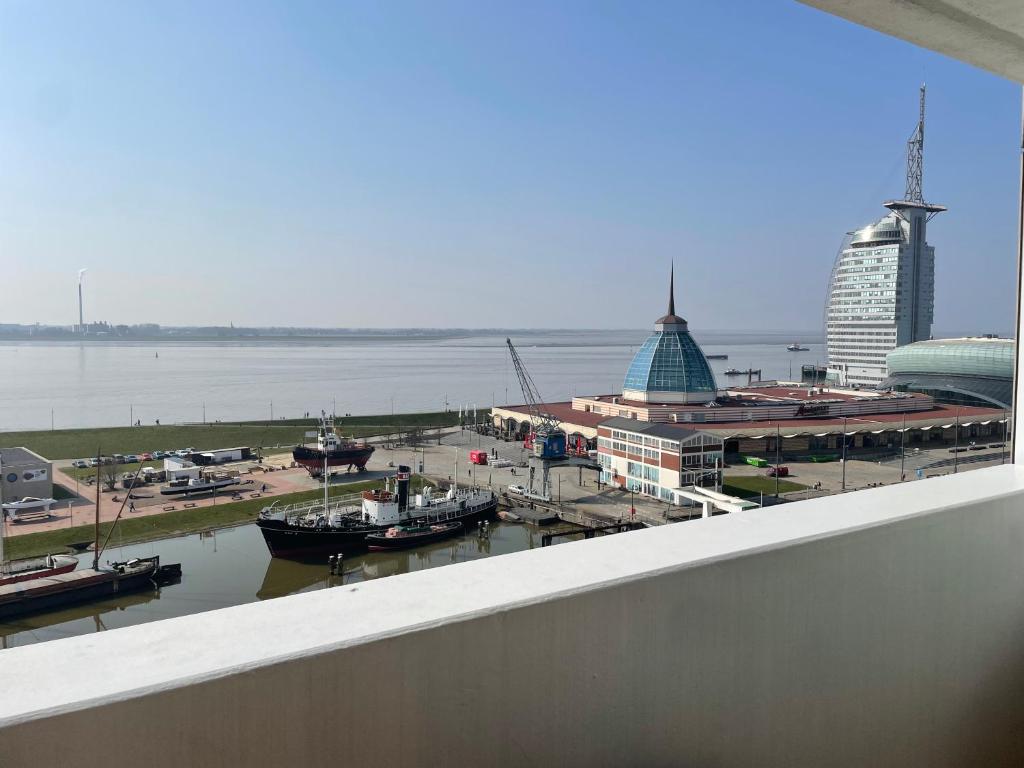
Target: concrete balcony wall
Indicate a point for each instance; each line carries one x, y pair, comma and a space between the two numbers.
882, 628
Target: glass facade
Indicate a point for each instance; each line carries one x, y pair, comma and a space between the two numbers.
670, 361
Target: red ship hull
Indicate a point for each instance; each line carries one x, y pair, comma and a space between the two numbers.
313, 458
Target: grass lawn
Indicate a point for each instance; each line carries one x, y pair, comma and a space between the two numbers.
84, 443
754, 485
132, 530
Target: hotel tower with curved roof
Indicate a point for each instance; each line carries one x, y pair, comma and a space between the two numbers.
882, 291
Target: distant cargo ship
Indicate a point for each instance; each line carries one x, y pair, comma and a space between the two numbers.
332, 451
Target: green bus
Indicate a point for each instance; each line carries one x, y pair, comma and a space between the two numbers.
756, 461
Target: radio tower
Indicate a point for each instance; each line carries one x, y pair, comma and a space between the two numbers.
915, 159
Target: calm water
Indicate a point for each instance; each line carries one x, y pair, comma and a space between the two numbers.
232, 566
108, 384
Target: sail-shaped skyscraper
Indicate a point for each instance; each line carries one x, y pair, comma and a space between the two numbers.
882, 291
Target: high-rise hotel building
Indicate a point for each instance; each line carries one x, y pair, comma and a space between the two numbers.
882, 290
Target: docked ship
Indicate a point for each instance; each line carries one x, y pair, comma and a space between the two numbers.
332, 451
322, 527
16, 571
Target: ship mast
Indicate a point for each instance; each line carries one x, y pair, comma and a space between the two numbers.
323, 425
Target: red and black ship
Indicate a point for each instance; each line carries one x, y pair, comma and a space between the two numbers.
332, 452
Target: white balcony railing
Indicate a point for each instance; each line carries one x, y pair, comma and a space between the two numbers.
884, 627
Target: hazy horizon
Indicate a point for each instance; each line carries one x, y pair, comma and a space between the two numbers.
408, 166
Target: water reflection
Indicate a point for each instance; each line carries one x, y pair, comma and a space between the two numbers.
232, 566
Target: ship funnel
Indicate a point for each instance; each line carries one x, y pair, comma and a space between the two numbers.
403, 487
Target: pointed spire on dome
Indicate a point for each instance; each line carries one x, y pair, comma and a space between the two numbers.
672, 289
671, 318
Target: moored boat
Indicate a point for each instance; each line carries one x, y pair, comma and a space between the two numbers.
409, 536
322, 527
199, 486
36, 568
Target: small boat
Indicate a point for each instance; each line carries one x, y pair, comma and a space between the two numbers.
508, 516
717, 357
36, 568
29, 506
332, 451
199, 486
408, 536
795, 347
733, 372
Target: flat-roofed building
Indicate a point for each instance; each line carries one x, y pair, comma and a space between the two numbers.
24, 473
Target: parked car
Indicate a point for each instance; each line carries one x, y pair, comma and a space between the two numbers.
94, 462
131, 458
780, 471
81, 463
160, 454
146, 457
515, 488
118, 458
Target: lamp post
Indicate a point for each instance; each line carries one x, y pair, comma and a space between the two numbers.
778, 437
844, 453
903, 445
1006, 427
956, 443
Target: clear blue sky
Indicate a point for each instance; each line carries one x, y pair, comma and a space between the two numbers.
527, 164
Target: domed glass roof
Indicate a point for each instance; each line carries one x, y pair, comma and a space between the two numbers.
972, 357
670, 366
670, 361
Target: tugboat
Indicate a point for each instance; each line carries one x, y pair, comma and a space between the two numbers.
409, 536
795, 347
332, 451
320, 527
733, 372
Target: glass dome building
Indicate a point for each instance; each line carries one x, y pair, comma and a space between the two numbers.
968, 371
670, 367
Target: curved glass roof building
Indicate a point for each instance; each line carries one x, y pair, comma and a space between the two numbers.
969, 371
670, 367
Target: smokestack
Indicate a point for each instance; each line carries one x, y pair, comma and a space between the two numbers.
81, 315
403, 487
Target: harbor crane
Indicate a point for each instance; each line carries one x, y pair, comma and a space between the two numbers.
548, 437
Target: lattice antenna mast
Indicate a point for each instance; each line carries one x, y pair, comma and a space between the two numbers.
543, 422
915, 159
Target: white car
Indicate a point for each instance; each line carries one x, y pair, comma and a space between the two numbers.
81, 463
514, 488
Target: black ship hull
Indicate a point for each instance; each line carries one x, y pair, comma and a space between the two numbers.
294, 541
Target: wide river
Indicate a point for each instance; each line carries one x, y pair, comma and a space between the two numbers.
71, 384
